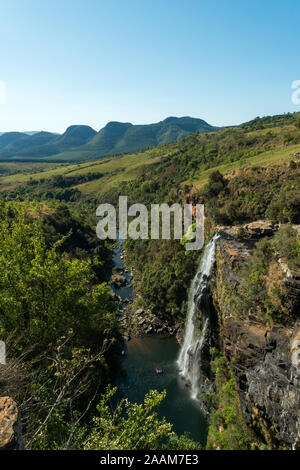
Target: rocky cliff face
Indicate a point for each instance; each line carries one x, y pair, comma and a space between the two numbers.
10, 425
264, 355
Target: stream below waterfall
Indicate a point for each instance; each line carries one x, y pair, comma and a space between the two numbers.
142, 357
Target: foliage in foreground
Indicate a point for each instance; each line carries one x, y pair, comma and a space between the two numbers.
60, 326
58, 411
43, 293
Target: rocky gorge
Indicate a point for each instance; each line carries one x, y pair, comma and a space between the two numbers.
263, 352
260, 351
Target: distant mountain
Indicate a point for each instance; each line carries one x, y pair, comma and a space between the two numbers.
117, 137
25, 132
43, 144
8, 137
74, 136
79, 143
22, 146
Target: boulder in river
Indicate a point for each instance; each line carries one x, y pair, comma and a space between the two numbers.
118, 280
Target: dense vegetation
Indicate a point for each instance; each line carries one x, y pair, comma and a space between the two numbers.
262, 291
163, 272
256, 193
46, 295
57, 187
59, 322
62, 347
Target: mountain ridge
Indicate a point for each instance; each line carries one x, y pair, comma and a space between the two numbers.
80, 143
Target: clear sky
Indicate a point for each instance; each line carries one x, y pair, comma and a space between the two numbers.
93, 61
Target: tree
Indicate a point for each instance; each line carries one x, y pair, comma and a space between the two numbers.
130, 426
44, 293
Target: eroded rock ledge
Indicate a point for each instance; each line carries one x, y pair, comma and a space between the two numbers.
10, 425
262, 355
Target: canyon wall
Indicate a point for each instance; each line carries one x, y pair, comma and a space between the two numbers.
264, 354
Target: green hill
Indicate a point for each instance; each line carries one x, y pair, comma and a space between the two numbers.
163, 171
24, 145
44, 144
80, 143
118, 138
74, 136
8, 138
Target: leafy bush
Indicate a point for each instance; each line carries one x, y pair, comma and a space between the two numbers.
42, 291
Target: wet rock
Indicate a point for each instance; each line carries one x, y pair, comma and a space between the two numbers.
118, 280
149, 330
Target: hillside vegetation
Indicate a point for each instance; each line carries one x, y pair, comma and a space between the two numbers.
183, 164
241, 174
63, 349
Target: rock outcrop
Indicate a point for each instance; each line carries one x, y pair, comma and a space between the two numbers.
142, 322
264, 356
10, 425
118, 280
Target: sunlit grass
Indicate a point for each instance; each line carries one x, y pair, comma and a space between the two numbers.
116, 170
263, 159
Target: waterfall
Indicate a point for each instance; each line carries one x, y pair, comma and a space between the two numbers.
190, 352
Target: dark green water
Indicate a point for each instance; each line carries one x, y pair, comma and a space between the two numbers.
143, 356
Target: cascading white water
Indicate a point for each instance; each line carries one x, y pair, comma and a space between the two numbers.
188, 361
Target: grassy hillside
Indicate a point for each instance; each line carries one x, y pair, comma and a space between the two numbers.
115, 170
160, 171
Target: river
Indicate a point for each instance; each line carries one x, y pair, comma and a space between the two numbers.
142, 357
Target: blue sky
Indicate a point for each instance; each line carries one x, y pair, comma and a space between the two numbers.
92, 61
